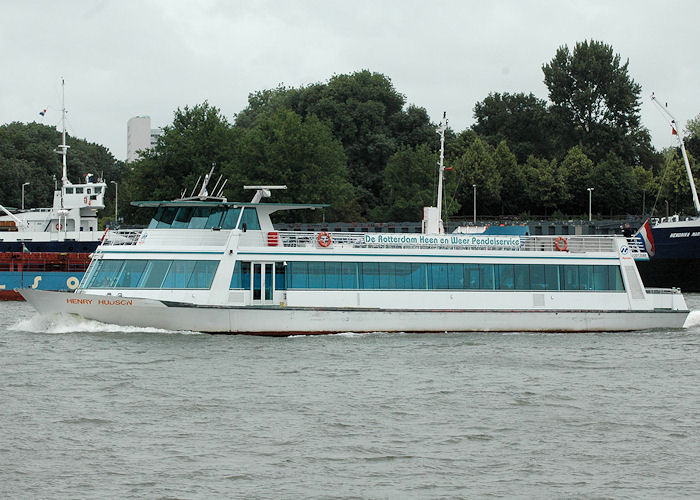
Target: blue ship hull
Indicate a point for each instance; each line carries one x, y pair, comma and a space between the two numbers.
674, 260
41, 280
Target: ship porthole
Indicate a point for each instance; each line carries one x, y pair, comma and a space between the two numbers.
72, 283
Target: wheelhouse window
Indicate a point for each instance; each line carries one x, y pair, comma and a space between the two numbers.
194, 274
199, 217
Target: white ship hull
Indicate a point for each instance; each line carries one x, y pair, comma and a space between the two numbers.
279, 320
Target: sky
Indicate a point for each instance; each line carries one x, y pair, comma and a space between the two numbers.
127, 58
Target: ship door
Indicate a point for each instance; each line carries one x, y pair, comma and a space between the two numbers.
263, 280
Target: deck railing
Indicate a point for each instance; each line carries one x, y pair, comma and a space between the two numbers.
570, 244
300, 239
122, 237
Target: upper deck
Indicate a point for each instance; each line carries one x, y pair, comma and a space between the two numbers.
178, 240
209, 224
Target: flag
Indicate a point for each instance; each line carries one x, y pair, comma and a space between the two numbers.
647, 238
673, 131
449, 168
42, 112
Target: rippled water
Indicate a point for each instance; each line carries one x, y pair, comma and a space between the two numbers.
96, 411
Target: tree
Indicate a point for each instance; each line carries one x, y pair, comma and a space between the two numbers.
284, 148
27, 155
513, 199
614, 183
411, 183
523, 121
646, 187
478, 166
198, 137
596, 102
542, 181
364, 111
674, 184
692, 136
576, 171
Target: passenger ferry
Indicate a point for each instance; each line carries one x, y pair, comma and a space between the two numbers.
209, 265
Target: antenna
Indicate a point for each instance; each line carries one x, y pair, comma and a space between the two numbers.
677, 133
218, 195
217, 184
195, 186
262, 192
441, 130
63, 148
203, 192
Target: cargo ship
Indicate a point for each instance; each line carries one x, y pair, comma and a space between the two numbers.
40, 270
673, 243
50, 248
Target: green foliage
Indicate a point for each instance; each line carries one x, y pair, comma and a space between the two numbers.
198, 137
411, 178
544, 188
692, 136
478, 166
522, 120
614, 184
364, 112
674, 184
514, 181
576, 177
595, 102
283, 148
27, 155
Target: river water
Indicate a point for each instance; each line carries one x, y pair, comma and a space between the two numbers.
96, 411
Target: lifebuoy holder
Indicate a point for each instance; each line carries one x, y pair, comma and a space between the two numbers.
324, 239
561, 244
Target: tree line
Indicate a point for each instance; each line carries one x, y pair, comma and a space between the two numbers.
355, 143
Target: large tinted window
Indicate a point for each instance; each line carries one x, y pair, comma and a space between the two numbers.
155, 273
250, 219
182, 218
152, 274
106, 273
241, 275
131, 273
202, 274
178, 274
164, 218
199, 218
437, 276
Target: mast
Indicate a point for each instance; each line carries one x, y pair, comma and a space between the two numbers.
441, 130
63, 147
677, 133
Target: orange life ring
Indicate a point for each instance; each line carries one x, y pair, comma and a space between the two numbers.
560, 244
59, 227
324, 239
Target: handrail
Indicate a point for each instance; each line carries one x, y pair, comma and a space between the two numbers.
574, 244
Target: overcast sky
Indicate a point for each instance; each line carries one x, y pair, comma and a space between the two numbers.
126, 58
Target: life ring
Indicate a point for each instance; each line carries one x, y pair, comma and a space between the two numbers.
85, 199
59, 227
560, 244
324, 239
